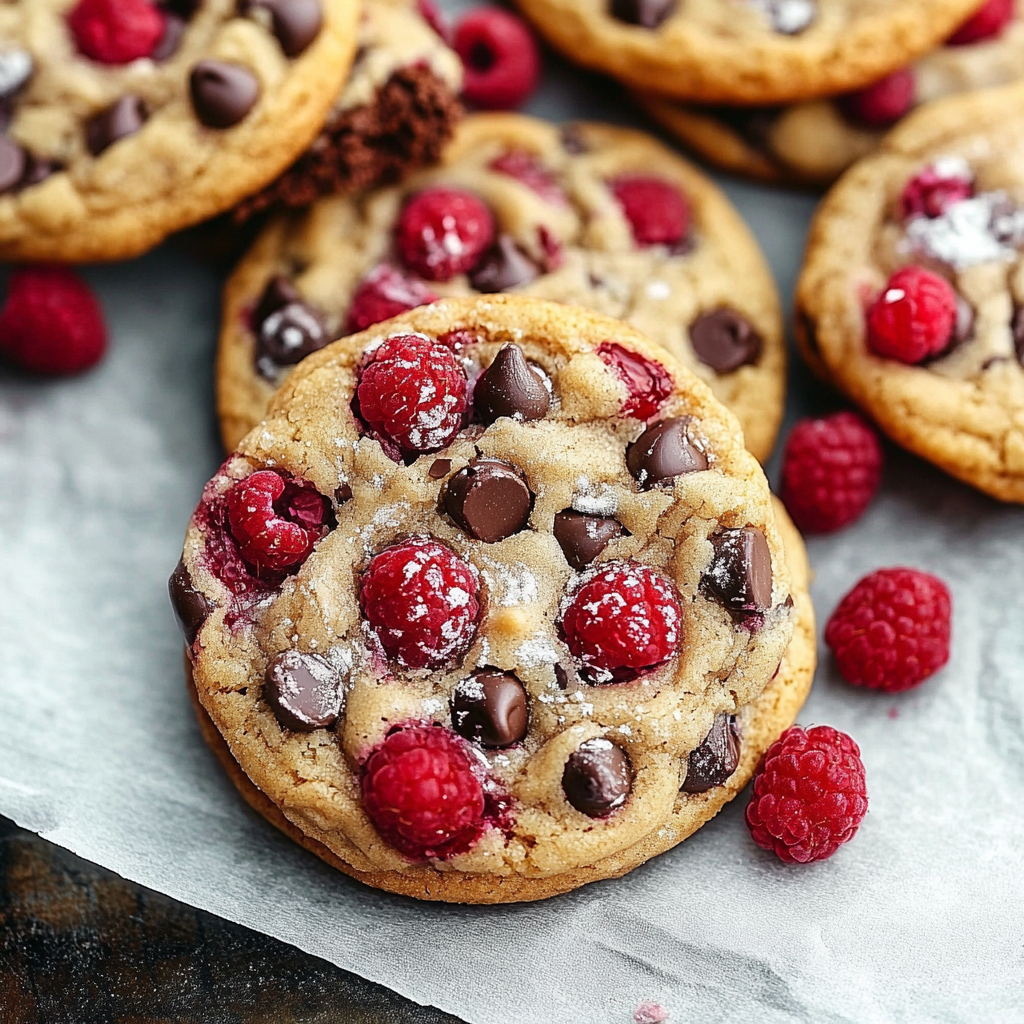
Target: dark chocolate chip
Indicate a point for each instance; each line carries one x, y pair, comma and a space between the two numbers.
963, 329
296, 23
439, 469
490, 708
291, 333
118, 121
13, 161
488, 499
724, 340
1017, 329
503, 267
663, 452
508, 387
740, 574
582, 538
191, 607
222, 93
38, 170
645, 13
15, 70
303, 690
572, 139
342, 494
597, 778
279, 292
717, 757
174, 32
182, 8
563, 677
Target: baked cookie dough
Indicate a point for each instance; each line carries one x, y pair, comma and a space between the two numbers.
944, 194
518, 555
117, 136
557, 207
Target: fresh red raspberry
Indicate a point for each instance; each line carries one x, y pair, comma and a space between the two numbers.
500, 58
385, 292
914, 316
883, 103
422, 793
443, 232
52, 322
809, 794
831, 471
275, 521
117, 31
412, 392
657, 211
623, 621
931, 192
987, 22
648, 383
420, 600
526, 168
892, 630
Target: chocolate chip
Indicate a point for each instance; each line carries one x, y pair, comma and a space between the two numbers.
572, 139
503, 267
191, 607
290, 334
582, 538
645, 13
597, 778
717, 757
724, 340
342, 494
296, 23
563, 677
303, 690
222, 93
118, 121
439, 469
1017, 329
488, 499
508, 387
490, 708
13, 161
15, 70
279, 292
174, 32
740, 574
963, 329
663, 452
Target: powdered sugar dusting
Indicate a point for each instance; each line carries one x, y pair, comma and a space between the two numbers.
538, 650
982, 229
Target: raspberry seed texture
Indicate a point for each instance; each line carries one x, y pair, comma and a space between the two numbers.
913, 318
443, 232
116, 31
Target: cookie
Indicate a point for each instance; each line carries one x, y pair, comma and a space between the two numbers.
910, 297
508, 550
745, 51
125, 121
812, 143
554, 208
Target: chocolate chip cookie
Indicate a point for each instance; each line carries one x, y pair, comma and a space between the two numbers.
493, 603
591, 215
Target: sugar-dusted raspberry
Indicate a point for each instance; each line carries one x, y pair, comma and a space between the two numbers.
527, 168
52, 323
892, 630
930, 192
422, 791
913, 317
987, 22
882, 103
500, 58
443, 232
116, 31
412, 392
657, 211
831, 471
276, 521
383, 293
420, 600
647, 382
809, 794
623, 621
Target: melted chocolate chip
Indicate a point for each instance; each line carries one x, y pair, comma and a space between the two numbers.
724, 340
663, 452
503, 267
15, 70
191, 607
38, 170
439, 469
488, 499
1017, 329
740, 574
717, 757
118, 121
174, 32
296, 23
508, 387
342, 494
279, 292
491, 709
963, 328
582, 538
303, 690
645, 13
291, 333
597, 778
222, 93
13, 161
563, 677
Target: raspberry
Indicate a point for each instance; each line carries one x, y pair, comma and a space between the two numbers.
913, 318
117, 31
657, 211
809, 794
831, 471
526, 168
383, 293
883, 103
275, 521
500, 58
648, 383
420, 599
929, 193
443, 232
421, 792
891, 631
52, 322
413, 393
987, 22
622, 622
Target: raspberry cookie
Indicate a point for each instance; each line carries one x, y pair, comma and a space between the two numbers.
494, 603
746, 51
812, 143
125, 120
591, 215
911, 294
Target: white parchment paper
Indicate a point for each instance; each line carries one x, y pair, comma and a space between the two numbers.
920, 919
